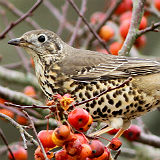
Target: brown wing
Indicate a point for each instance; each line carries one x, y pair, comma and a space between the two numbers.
85, 65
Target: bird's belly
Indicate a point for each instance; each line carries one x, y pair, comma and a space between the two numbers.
126, 102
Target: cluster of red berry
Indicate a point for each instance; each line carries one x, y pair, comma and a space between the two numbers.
123, 16
76, 146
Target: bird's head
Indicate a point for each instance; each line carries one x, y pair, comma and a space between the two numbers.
39, 43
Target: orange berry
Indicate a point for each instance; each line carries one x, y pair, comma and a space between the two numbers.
21, 120
2, 100
115, 144
7, 112
62, 132
115, 47
106, 32
30, 91
104, 156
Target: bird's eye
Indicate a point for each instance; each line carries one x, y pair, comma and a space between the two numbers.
42, 38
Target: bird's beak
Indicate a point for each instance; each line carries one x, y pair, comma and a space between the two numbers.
17, 41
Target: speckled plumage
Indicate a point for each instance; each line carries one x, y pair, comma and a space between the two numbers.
84, 74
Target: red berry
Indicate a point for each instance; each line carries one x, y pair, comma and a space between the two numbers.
157, 4
78, 118
38, 155
143, 23
125, 5
19, 153
125, 16
106, 32
86, 151
115, 47
73, 147
104, 156
61, 155
87, 126
45, 137
115, 144
113, 131
124, 28
141, 41
81, 138
97, 148
132, 133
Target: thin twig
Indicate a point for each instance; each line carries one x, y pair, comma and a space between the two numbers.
35, 132
82, 11
10, 6
138, 7
19, 50
108, 16
153, 28
27, 14
55, 12
6, 143
63, 20
20, 128
88, 25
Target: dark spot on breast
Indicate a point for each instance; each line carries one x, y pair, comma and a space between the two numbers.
87, 104
87, 95
87, 109
127, 107
97, 86
110, 101
147, 105
131, 105
95, 112
80, 95
125, 97
113, 83
109, 110
104, 109
140, 109
117, 112
141, 102
118, 104
95, 93
157, 102
107, 96
99, 102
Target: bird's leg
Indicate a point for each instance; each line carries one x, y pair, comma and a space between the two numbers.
104, 130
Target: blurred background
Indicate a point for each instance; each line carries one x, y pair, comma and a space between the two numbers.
47, 20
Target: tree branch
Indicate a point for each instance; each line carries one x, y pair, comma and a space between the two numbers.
17, 97
137, 13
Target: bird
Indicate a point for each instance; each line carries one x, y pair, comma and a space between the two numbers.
84, 74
